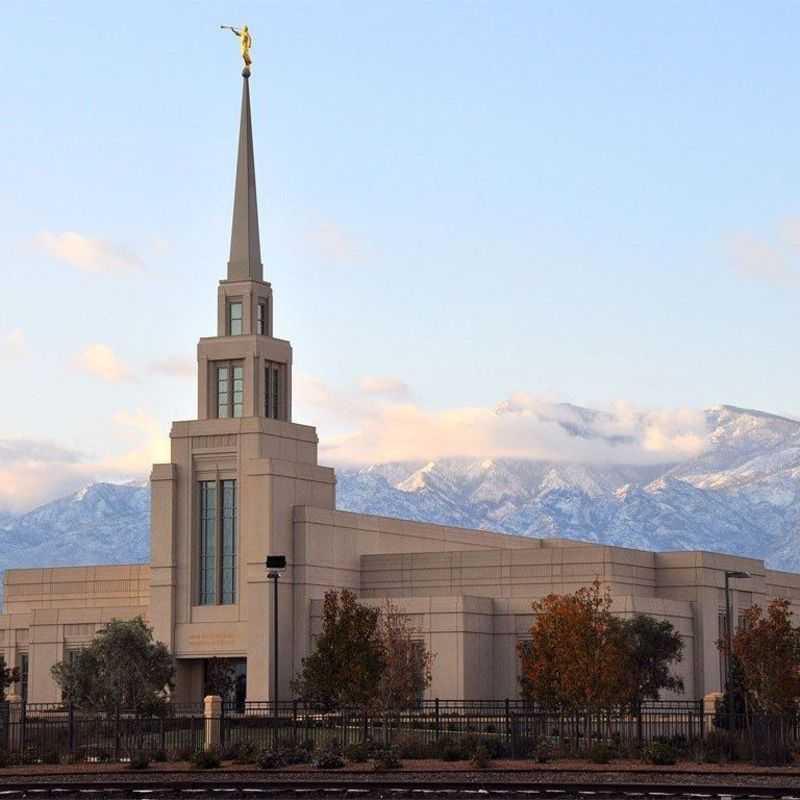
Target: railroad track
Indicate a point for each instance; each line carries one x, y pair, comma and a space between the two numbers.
232, 786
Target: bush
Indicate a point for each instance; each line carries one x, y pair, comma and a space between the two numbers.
5, 760
181, 754
51, 756
451, 751
206, 759
544, 752
270, 759
358, 752
410, 746
329, 759
495, 746
660, 753
139, 760
715, 747
601, 753
295, 754
480, 758
160, 756
386, 759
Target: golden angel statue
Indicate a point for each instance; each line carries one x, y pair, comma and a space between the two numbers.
246, 42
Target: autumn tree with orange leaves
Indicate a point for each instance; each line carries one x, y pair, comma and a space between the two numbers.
767, 646
577, 656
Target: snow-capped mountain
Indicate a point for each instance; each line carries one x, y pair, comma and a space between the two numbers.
741, 495
103, 523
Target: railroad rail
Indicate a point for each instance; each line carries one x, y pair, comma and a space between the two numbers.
232, 785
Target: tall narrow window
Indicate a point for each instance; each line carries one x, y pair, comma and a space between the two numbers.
208, 543
273, 388
235, 319
22, 663
228, 542
238, 391
223, 391
230, 390
261, 319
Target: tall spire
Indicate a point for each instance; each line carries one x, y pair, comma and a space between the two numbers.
245, 258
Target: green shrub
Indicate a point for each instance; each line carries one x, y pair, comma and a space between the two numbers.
51, 756
358, 752
328, 759
206, 759
5, 760
386, 759
270, 759
295, 754
139, 760
661, 753
160, 756
544, 752
481, 758
715, 747
495, 746
451, 751
601, 753
181, 754
411, 746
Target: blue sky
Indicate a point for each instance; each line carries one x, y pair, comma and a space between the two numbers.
461, 203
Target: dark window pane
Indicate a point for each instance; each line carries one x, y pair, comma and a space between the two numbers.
228, 542
208, 542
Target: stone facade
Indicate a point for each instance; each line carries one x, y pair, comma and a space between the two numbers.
244, 482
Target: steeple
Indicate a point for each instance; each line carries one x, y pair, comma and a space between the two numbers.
245, 258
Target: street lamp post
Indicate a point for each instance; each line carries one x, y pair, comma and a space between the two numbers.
275, 566
729, 644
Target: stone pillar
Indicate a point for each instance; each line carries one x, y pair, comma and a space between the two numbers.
212, 713
710, 703
15, 712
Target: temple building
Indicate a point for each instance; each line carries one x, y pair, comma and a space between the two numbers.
243, 482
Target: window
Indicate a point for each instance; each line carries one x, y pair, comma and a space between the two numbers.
261, 319
22, 665
274, 406
228, 542
208, 543
218, 546
235, 318
230, 390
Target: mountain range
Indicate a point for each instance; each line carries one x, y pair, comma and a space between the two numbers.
741, 495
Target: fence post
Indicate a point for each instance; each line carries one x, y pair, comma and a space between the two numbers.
222, 724
508, 720
436, 718
71, 728
212, 716
710, 702
365, 726
294, 721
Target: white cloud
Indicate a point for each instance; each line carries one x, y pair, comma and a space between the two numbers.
13, 345
33, 472
88, 254
334, 243
100, 361
774, 263
383, 385
174, 367
524, 426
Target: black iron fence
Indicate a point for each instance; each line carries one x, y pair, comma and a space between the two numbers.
53, 733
